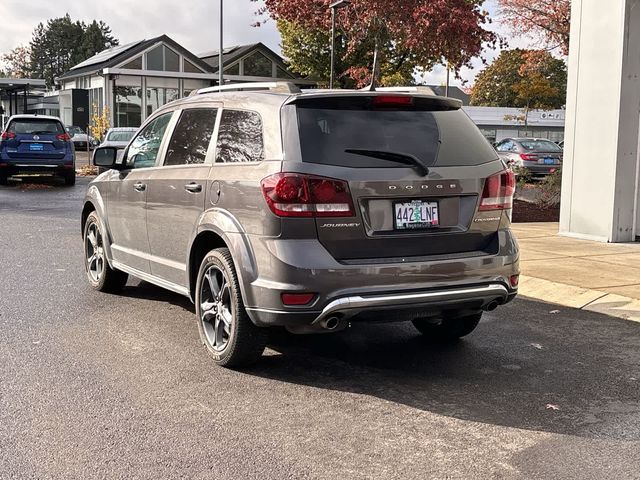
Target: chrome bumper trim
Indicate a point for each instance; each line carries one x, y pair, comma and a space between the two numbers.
349, 306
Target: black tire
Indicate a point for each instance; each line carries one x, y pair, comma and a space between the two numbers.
100, 275
450, 329
228, 334
70, 179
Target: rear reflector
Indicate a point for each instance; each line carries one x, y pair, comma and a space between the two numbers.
298, 195
514, 280
498, 192
297, 298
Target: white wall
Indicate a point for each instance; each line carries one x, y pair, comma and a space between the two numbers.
600, 169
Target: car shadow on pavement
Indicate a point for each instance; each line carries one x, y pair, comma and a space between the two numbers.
527, 366
147, 291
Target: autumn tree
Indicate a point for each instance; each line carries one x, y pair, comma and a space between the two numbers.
411, 34
527, 79
17, 62
548, 20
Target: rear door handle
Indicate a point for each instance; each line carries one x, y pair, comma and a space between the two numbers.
139, 187
193, 187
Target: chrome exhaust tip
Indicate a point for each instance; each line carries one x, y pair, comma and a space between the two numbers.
330, 323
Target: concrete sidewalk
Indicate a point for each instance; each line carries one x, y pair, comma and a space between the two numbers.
578, 273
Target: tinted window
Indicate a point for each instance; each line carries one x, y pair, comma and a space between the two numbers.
35, 126
155, 59
540, 146
386, 131
328, 134
144, 149
240, 137
191, 137
258, 65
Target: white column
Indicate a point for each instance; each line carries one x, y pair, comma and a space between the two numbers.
601, 171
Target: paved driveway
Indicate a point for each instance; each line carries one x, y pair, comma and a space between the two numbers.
100, 386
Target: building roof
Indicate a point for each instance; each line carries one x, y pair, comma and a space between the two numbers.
232, 54
116, 55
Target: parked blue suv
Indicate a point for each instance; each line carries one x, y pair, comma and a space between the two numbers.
36, 144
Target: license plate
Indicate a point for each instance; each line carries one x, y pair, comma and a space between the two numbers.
416, 214
549, 161
36, 147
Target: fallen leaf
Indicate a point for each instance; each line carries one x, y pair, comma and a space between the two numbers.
536, 345
37, 342
551, 406
553, 312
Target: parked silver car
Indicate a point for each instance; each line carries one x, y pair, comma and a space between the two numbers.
80, 138
309, 210
118, 137
539, 156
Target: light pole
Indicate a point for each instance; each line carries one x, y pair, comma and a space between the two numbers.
220, 62
334, 7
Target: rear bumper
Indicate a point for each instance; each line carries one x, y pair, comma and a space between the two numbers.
542, 170
388, 292
35, 166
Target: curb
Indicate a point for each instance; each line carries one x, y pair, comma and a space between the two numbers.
580, 298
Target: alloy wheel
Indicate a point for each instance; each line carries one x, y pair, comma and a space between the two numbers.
94, 251
216, 311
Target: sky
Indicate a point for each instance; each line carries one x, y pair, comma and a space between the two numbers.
192, 23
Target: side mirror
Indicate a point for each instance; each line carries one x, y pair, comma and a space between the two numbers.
105, 157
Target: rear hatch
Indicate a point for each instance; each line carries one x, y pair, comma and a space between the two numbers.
36, 139
415, 168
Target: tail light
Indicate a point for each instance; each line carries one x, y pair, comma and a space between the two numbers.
498, 192
528, 157
298, 195
63, 137
8, 136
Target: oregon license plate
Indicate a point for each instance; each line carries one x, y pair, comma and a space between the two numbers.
36, 147
416, 214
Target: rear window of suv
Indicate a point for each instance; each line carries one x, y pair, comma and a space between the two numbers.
348, 131
35, 126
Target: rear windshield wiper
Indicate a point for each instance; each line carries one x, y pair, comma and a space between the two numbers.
404, 158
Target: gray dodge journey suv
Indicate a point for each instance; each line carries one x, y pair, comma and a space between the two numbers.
269, 206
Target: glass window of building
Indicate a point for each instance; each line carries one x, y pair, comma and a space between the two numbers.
282, 73
145, 147
240, 137
191, 137
157, 97
171, 60
155, 59
190, 67
257, 65
128, 106
233, 69
135, 64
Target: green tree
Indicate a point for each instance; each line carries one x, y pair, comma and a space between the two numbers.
63, 43
308, 53
528, 79
97, 37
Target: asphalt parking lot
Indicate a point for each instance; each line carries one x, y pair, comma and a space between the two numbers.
101, 386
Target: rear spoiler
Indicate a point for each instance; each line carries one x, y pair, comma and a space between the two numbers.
337, 97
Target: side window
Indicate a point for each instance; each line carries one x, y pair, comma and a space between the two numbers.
144, 149
240, 137
505, 146
191, 137
500, 147
513, 147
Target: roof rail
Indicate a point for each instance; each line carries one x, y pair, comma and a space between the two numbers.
409, 89
279, 87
